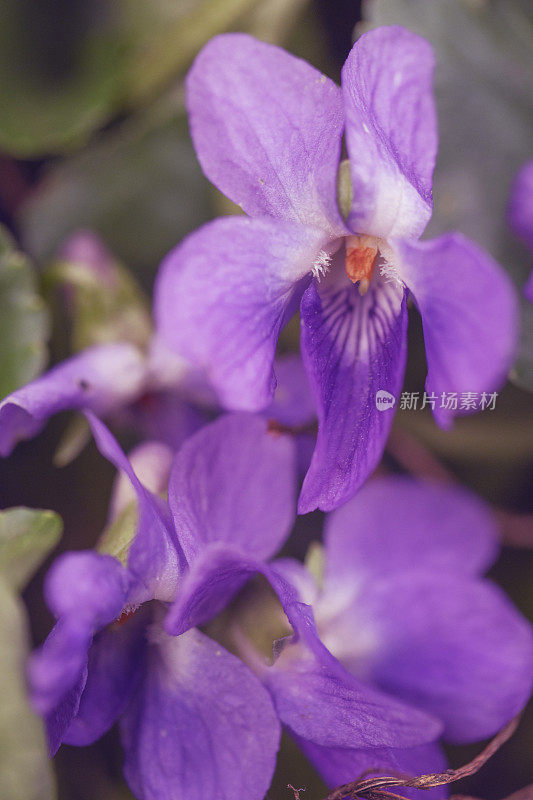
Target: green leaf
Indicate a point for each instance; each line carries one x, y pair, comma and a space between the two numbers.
166, 36
24, 323
52, 100
25, 772
140, 188
485, 104
27, 535
64, 78
274, 21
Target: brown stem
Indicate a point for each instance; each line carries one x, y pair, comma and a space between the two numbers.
379, 788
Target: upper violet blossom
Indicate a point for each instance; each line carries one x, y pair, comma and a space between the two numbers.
195, 720
401, 602
521, 214
268, 131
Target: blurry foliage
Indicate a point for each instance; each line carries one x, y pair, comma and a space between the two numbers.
53, 96
138, 186
24, 323
26, 537
483, 87
25, 773
166, 35
75, 436
67, 66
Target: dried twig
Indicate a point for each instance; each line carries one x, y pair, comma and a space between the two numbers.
379, 788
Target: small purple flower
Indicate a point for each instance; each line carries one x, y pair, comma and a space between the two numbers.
404, 607
268, 130
521, 214
195, 721
400, 623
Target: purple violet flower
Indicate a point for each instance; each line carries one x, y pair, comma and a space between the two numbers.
268, 128
195, 721
521, 214
403, 606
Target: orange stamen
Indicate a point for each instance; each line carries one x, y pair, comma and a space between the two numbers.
361, 257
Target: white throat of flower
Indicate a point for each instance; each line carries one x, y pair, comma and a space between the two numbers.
321, 265
388, 268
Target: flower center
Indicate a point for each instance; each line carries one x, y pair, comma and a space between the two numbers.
360, 260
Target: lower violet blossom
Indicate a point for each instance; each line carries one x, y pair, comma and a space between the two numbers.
195, 721
341, 239
400, 623
401, 602
521, 214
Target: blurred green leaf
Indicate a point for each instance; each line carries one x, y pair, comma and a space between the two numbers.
26, 537
139, 187
63, 79
51, 102
165, 36
483, 89
25, 772
24, 324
